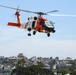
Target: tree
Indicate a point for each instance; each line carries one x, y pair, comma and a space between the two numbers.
73, 73
40, 64
20, 69
63, 71
72, 68
35, 70
31, 70
21, 62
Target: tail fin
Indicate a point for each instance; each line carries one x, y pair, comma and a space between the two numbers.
18, 24
18, 17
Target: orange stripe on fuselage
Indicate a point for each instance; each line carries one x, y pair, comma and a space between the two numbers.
39, 25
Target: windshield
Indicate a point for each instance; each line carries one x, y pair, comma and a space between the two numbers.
49, 24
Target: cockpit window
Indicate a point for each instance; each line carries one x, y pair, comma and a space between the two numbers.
49, 24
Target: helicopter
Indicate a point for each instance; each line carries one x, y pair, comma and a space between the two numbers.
39, 24
35, 24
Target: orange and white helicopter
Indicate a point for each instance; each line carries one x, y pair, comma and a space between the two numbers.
35, 24
39, 24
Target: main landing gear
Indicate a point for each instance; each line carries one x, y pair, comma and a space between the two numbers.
29, 34
29, 29
34, 32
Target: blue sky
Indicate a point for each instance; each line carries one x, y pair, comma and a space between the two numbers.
14, 40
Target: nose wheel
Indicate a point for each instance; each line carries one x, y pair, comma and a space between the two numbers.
48, 34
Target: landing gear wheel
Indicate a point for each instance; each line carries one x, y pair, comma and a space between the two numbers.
29, 29
29, 34
48, 34
34, 32
54, 31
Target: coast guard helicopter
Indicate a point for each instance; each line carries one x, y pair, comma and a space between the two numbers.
35, 24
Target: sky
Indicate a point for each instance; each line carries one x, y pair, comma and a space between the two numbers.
60, 44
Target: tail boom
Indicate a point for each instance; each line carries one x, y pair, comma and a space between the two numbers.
14, 24
18, 24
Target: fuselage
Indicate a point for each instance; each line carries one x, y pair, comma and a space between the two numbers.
39, 24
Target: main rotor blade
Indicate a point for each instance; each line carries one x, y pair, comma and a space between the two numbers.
52, 11
17, 9
63, 15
